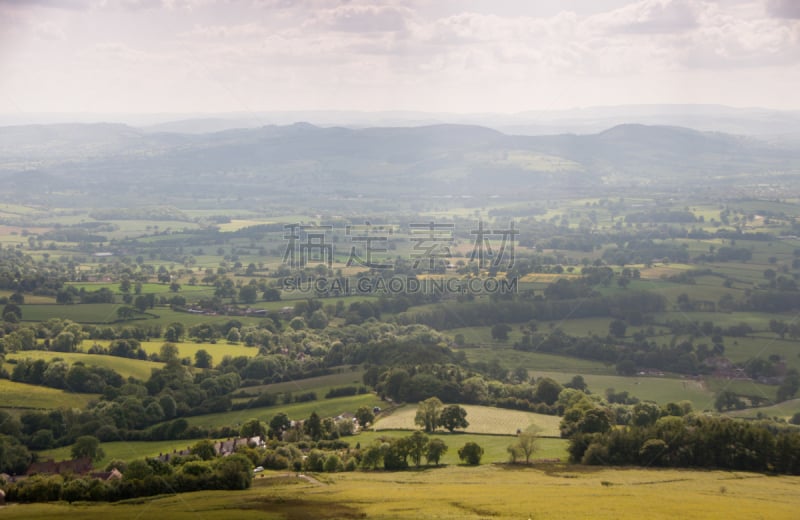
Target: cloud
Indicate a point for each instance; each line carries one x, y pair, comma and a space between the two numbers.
365, 18
653, 17
783, 8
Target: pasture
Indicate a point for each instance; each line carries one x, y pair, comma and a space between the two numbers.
495, 447
482, 420
21, 396
140, 369
466, 493
320, 384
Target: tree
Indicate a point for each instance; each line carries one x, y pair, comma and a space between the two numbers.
452, 417
141, 303
202, 359
547, 390
617, 328
313, 426
169, 353
204, 449
12, 313
248, 293
364, 416
727, 400
500, 331
471, 453
428, 413
278, 424
87, 446
125, 312
234, 336
417, 444
525, 444
436, 448
253, 428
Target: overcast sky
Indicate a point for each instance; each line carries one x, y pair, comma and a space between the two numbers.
193, 56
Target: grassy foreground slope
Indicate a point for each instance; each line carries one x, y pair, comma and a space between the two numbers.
457, 492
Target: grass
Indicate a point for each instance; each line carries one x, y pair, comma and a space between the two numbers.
24, 396
534, 361
785, 410
659, 389
81, 313
137, 368
122, 450
495, 447
320, 384
470, 493
482, 420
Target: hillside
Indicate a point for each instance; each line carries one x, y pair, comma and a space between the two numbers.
79, 163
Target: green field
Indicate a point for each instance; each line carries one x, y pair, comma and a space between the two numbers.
495, 447
466, 493
482, 420
321, 384
126, 367
21, 396
535, 362
122, 450
81, 313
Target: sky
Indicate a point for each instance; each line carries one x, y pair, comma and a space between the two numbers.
456, 56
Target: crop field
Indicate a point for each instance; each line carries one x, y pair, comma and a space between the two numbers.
482, 420
467, 493
23, 396
140, 369
188, 349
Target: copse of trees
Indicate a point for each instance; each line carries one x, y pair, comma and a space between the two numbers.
693, 441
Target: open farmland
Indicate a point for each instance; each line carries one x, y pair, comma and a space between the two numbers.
482, 420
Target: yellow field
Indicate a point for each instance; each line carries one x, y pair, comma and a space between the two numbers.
188, 349
482, 419
457, 492
547, 277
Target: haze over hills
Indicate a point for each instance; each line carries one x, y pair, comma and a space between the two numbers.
766, 123
103, 163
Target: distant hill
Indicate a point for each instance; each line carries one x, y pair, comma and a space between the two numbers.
116, 161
